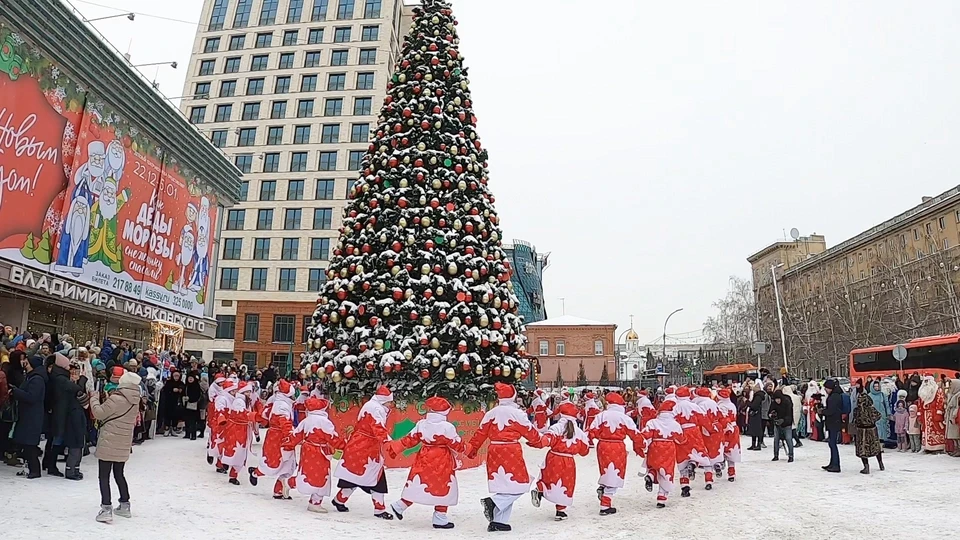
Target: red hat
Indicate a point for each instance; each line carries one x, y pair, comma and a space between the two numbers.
614, 398
245, 387
667, 406
383, 394
505, 391
590, 395
219, 379
683, 392
228, 385
283, 387
437, 404
567, 409
724, 393
670, 390
117, 371
643, 392
703, 391
316, 404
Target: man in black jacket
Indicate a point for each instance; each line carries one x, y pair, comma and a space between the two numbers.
781, 416
30, 405
833, 422
68, 420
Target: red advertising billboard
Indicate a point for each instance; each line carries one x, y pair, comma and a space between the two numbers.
96, 200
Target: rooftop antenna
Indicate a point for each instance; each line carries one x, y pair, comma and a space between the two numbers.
563, 306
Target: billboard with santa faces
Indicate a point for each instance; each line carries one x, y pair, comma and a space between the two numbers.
91, 197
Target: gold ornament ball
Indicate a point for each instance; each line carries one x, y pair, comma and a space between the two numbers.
402, 78
425, 221
359, 269
479, 370
403, 182
452, 268
450, 373
408, 293
402, 222
382, 287
396, 270
425, 269
457, 101
484, 321
421, 147
453, 243
435, 362
435, 343
457, 224
428, 77
378, 345
351, 321
408, 355
461, 185
436, 183
318, 343
518, 374
336, 376
505, 371
440, 290
386, 311
454, 150
334, 317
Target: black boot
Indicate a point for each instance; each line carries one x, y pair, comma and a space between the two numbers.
209, 460
235, 482
561, 515
685, 491
488, 506
253, 477
608, 511
497, 527
880, 461
448, 525
648, 483
338, 506
382, 515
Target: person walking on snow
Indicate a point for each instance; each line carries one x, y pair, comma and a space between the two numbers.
213, 392
558, 473
540, 411
235, 424
433, 477
692, 453
712, 435
730, 431
275, 461
590, 411
318, 440
504, 425
362, 464
660, 438
611, 427
645, 409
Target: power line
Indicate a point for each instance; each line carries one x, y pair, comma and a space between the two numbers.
140, 14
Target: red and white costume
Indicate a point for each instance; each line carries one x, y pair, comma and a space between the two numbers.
932, 415
712, 433
275, 461
540, 411
362, 462
611, 427
433, 477
235, 431
213, 392
590, 411
645, 410
300, 405
692, 453
558, 473
318, 439
661, 437
504, 425
731, 432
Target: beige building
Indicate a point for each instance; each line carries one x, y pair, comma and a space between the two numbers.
289, 90
893, 282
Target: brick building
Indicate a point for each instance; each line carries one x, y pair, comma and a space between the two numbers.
269, 331
568, 341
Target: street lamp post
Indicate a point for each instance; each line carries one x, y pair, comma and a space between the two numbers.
171, 64
664, 355
129, 17
776, 294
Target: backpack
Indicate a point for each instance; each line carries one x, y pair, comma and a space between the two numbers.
845, 404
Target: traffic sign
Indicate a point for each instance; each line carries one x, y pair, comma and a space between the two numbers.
899, 353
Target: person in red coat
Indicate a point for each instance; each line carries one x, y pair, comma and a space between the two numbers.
235, 431
362, 463
433, 478
712, 435
507, 479
730, 431
693, 452
590, 411
213, 392
275, 461
318, 440
645, 409
611, 427
558, 473
541, 413
660, 438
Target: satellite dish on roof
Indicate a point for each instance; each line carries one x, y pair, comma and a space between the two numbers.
794, 233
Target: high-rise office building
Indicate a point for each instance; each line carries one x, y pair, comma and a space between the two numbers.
289, 90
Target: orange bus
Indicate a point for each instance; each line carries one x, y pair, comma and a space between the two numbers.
935, 355
731, 372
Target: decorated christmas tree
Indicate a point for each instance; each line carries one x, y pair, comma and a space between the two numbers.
418, 291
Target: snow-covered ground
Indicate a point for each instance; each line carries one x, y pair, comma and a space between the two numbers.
175, 494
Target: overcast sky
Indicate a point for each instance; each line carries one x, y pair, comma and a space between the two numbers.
652, 146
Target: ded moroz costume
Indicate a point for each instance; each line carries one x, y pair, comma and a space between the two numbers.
318, 439
433, 478
275, 461
558, 473
235, 422
538, 408
692, 453
610, 428
362, 463
661, 437
730, 431
712, 434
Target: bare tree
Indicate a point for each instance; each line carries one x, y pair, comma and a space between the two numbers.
735, 323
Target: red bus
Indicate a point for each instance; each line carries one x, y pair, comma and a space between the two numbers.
935, 355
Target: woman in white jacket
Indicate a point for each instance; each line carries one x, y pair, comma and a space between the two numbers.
790, 392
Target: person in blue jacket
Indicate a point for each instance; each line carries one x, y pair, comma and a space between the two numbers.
883, 407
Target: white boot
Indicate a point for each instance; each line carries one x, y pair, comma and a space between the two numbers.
316, 508
106, 514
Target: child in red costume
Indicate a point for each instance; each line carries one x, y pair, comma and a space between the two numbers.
362, 463
558, 473
318, 439
275, 461
731, 432
611, 427
692, 453
235, 431
661, 438
712, 435
433, 478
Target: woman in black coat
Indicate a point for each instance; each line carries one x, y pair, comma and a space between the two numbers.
171, 400
755, 421
191, 411
30, 410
